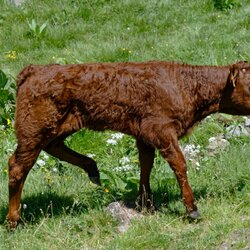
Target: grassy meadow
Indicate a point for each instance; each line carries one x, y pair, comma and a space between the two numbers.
61, 209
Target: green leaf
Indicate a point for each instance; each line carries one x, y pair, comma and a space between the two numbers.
103, 176
120, 183
3, 97
33, 25
3, 79
43, 26
133, 179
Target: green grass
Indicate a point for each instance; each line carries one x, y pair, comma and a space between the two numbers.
63, 209
83, 31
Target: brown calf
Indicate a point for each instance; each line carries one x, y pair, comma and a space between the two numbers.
156, 102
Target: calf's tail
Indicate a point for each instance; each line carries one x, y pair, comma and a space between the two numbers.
24, 74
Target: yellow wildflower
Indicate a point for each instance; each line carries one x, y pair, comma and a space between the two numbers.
135, 161
106, 190
8, 122
11, 55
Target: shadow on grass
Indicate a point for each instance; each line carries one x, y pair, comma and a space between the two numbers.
166, 198
171, 202
50, 204
36, 207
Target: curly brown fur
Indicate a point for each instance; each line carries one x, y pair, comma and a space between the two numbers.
156, 102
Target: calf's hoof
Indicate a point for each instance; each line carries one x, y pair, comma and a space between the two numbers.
13, 220
11, 225
94, 177
95, 180
195, 215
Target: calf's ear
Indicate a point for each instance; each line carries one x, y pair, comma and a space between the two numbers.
233, 76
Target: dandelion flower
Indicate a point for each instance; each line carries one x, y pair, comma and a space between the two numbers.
8, 122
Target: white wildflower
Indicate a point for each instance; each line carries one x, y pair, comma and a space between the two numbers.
211, 139
127, 167
114, 138
118, 169
41, 162
45, 156
54, 170
117, 136
123, 168
124, 160
191, 150
111, 142
24, 206
197, 165
91, 155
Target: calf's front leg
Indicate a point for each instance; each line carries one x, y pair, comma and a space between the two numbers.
171, 151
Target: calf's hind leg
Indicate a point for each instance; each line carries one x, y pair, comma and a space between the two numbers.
58, 149
146, 158
19, 166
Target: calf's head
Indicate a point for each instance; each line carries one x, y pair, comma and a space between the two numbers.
236, 96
